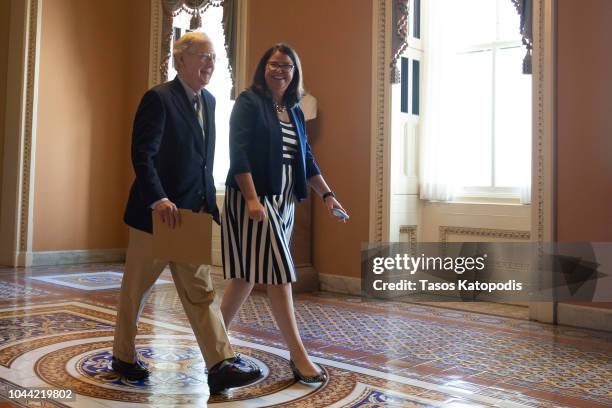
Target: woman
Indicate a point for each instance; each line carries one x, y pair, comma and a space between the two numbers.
270, 165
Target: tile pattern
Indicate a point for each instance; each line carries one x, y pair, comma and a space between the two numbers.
465, 315
412, 344
487, 308
24, 327
437, 356
13, 291
413, 340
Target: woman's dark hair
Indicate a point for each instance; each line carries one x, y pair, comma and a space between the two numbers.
295, 90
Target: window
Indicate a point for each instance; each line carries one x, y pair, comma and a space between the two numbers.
405, 86
486, 98
416, 18
220, 84
406, 82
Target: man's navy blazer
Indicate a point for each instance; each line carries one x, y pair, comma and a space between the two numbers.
169, 156
256, 146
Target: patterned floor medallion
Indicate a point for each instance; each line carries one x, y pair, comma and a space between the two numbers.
24, 330
371, 398
178, 373
89, 281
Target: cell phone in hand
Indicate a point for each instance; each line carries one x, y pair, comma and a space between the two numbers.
339, 213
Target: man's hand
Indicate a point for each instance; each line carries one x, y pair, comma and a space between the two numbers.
168, 212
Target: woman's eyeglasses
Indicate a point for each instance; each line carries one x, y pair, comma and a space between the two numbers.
280, 67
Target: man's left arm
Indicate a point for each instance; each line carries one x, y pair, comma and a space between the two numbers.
146, 139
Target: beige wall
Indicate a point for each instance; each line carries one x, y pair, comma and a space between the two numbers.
584, 121
584, 136
139, 16
333, 39
93, 70
5, 14
93, 63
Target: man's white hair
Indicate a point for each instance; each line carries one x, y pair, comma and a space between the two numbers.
185, 42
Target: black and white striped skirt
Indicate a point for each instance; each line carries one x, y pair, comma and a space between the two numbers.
259, 252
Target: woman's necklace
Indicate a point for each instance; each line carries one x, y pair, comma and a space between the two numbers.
278, 107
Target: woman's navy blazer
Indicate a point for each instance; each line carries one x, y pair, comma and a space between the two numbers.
256, 146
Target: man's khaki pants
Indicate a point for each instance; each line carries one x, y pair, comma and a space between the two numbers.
195, 290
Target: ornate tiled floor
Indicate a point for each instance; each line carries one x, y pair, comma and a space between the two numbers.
56, 328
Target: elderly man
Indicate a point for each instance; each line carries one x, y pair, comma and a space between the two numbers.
173, 147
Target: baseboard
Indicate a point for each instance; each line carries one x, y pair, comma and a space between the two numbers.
41, 258
8, 258
307, 280
584, 317
340, 284
16, 259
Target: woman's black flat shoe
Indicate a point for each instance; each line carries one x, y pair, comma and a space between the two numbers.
321, 377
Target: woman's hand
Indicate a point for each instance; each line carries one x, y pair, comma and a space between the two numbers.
332, 203
257, 212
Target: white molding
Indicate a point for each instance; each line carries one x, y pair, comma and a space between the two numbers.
544, 124
29, 141
495, 233
543, 145
77, 256
380, 115
241, 74
412, 232
16, 222
155, 43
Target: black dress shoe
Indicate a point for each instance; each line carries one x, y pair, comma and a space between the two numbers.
133, 371
321, 377
229, 374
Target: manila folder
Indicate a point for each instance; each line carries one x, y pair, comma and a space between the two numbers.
189, 243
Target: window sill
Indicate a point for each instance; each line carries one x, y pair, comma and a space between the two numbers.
491, 200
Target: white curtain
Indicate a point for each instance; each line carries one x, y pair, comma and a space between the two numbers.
526, 183
456, 120
438, 164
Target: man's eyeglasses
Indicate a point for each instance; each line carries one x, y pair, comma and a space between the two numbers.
207, 56
280, 67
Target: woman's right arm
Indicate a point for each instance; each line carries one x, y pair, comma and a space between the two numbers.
256, 210
242, 125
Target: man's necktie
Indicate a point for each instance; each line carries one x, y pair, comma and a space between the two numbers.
197, 105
